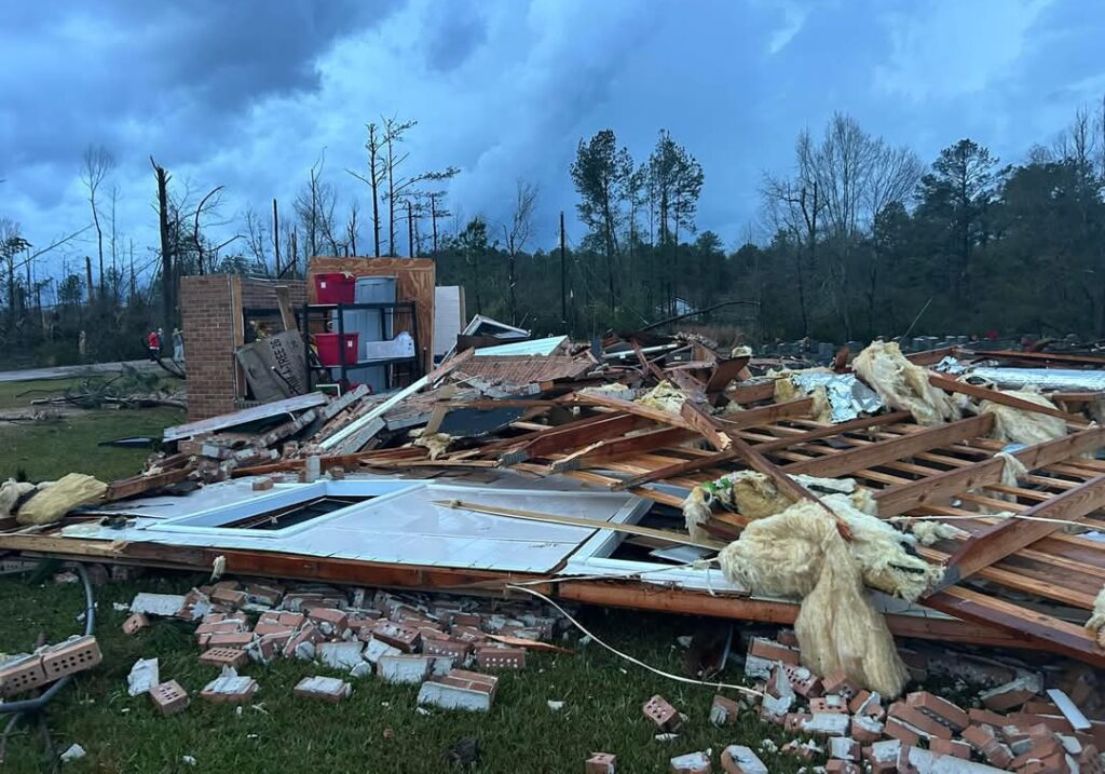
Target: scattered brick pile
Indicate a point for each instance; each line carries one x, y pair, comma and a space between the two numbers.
1015, 727
435, 645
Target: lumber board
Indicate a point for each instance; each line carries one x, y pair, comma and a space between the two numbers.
800, 407
620, 448
245, 416
572, 435
996, 396
644, 596
898, 499
126, 488
1043, 631
880, 453
827, 431
629, 407
1011, 535
679, 469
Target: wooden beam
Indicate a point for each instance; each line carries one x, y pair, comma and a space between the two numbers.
645, 596
620, 448
1011, 535
573, 435
851, 426
126, 488
996, 396
883, 452
679, 469
898, 499
1037, 629
629, 407
284, 303
765, 415
253, 414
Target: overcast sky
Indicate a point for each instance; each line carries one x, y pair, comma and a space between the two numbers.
249, 93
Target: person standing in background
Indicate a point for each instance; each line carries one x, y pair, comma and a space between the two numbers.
178, 345
153, 344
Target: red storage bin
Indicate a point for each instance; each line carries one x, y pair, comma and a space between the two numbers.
330, 351
335, 288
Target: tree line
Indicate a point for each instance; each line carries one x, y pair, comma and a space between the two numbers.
857, 238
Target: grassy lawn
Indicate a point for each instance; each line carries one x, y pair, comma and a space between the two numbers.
375, 730
49, 449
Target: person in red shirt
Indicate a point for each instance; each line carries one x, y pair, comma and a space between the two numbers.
153, 344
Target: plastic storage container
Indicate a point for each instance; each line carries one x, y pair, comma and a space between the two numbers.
335, 288
330, 351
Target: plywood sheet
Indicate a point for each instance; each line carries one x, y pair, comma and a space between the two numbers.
415, 279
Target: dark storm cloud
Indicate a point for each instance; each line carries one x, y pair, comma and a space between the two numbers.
250, 94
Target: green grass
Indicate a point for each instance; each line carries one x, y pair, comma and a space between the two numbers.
377, 729
46, 450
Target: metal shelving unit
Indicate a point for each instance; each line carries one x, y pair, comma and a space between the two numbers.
343, 366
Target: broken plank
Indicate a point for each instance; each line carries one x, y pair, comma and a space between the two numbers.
883, 452
245, 416
679, 469
1009, 536
896, 500
573, 435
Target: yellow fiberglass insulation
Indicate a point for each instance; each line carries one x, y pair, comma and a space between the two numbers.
1097, 620
664, 396
800, 553
930, 533
11, 492
436, 443
903, 385
1021, 426
787, 390
51, 502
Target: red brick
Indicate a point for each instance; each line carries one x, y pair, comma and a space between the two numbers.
458, 651
837, 766
234, 657
724, 711
830, 702
952, 747
230, 639
169, 698
600, 763
736, 759
839, 683
690, 763
866, 730
659, 711
229, 596
939, 709
901, 732
262, 484
761, 647
918, 720
71, 656
987, 745
804, 682
329, 689
22, 675
398, 636
335, 618
135, 623
501, 658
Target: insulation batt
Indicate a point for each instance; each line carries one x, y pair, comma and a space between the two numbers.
665, 396
49, 504
1027, 427
787, 390
1097, 620
903, 385
436, 443
930, 533
10, 493
800, 553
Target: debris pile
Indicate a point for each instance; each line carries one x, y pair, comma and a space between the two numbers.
444, 645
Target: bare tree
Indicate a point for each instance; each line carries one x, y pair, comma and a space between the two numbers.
374, 179
351, 227
515, 236
256, 239
401, 188
98, 162
168, 280
208, 204
314, 206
